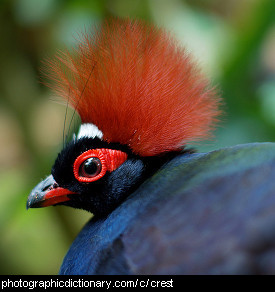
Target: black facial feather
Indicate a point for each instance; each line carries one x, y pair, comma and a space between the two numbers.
62, 169
102, 196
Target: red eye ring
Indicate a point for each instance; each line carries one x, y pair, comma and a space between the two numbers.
110, 160
82, 158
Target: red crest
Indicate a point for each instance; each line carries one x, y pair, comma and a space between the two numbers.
138, 86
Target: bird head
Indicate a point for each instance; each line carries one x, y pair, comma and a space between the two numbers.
140, 98
94, 175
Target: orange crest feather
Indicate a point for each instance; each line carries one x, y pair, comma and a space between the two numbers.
138, 87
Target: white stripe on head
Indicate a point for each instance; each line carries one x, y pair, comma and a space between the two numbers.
90, 131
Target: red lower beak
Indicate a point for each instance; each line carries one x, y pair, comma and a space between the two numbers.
47, 193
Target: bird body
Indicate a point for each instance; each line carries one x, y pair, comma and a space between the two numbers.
141, 99
206, 213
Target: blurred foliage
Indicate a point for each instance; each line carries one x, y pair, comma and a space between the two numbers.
234, 42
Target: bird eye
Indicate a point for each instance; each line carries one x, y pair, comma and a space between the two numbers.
93, 164
90, 167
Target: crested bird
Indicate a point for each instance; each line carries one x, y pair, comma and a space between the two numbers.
142, 100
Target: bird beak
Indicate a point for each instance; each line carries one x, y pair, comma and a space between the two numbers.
47, 193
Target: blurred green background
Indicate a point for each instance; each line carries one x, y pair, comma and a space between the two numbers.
233, 40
